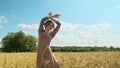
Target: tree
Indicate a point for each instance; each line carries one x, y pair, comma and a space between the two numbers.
19, 42
118, 49
111, 48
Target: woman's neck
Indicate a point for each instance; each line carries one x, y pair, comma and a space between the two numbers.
46, 31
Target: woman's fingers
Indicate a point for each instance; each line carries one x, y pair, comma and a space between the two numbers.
53, 16
50, 14
56, 15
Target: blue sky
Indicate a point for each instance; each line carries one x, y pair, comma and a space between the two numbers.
84, 22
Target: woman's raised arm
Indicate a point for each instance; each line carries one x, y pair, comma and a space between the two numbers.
40, 29
57, 27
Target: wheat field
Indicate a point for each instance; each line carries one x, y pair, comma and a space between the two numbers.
66, 60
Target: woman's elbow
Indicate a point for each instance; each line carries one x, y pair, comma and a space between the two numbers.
58, 23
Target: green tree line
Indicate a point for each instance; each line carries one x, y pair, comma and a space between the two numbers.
83, 49
77, 49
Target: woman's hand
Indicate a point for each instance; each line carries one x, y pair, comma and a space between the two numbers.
53, 16
56, 16
50, 15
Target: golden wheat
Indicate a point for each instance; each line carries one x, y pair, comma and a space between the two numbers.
66, 60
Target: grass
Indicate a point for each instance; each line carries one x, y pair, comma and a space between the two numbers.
66, 60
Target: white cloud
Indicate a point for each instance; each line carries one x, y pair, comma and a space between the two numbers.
69, 27
27, 26
90, 35
3, 19
85, 34
90, 40
96, 39
91, 27
102, 26
118, 6
68, 40
65, 40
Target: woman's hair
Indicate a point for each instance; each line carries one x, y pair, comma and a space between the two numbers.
48, 22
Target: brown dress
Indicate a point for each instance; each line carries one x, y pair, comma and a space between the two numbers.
45, 57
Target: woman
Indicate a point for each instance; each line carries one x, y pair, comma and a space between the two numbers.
45, 57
